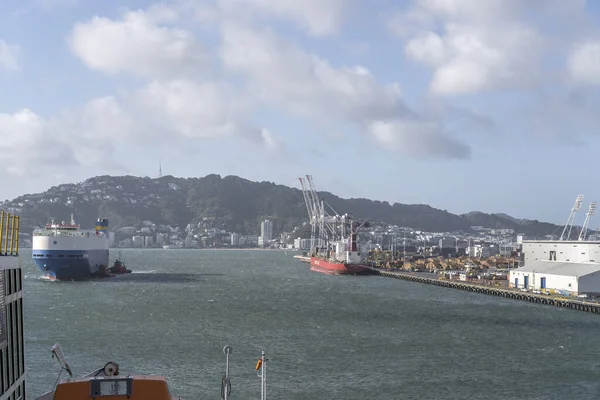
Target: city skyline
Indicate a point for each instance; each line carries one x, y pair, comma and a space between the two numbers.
461, 105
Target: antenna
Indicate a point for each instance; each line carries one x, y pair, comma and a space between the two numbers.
586, 223
159, 169
571, 219
226, 383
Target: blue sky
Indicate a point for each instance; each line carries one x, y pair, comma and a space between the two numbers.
464, 104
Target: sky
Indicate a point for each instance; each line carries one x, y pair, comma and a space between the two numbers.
460, 104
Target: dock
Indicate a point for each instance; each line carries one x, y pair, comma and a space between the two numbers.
551, 300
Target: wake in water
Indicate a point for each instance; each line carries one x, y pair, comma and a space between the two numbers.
44, 278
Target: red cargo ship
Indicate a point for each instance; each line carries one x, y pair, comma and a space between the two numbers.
344, 258
336, 251
324, 266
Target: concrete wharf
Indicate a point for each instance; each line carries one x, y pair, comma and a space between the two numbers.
552, 300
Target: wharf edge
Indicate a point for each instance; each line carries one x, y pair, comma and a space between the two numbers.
494, 291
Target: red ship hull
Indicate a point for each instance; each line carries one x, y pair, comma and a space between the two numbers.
337, 268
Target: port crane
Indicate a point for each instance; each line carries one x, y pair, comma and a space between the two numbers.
322, 229
313, 207
326, 228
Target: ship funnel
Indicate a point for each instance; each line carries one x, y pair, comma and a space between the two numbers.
102, 225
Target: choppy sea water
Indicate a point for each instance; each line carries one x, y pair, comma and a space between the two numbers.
325, 336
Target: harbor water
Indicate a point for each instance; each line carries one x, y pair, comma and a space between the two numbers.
335, 337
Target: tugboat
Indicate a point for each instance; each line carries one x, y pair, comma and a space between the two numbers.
103, 272
119, 267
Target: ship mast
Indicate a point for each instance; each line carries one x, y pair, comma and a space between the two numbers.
226, 382
569, 225
262, 364
586, 223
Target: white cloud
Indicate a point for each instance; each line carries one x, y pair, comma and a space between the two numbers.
174, 103
9, 56
474, 46
540, 56
584, 63
317, 17
415, 138
289, 77
27, 148
95, 130
160, 114
137, 44
292, 79
36, 152
194, 110
272, 142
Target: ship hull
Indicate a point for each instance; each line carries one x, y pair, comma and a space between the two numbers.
70, 258
337, 268
70, 265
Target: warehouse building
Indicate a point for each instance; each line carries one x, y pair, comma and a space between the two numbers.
565, 265
566, 277
571, 266
573, 251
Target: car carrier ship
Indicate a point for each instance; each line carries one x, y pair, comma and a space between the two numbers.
67, 252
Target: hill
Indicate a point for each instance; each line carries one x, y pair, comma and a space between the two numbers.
230, 203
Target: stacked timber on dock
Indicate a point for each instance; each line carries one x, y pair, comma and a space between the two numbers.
494, 291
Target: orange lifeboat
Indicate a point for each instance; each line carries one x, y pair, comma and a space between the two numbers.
106, 384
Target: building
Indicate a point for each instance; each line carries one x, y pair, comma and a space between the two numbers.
481, 251
160, 239
12, 350
137, 241
448, 246
266, 233
301, 244
507, 249
568, 266
561, 250
235, 239
565, 277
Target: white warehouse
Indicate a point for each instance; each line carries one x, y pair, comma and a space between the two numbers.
574, 278
569, 266
573, 251
566, 265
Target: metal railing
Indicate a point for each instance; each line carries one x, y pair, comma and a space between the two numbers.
9, 234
